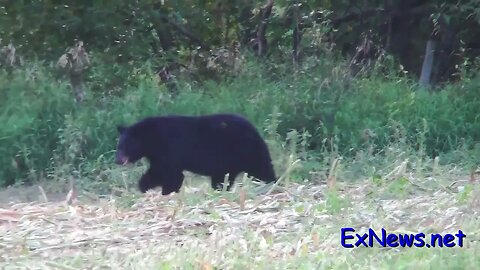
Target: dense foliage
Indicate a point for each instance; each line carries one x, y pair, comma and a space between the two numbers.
173, 34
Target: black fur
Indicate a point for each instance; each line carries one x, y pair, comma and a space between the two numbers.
210, 145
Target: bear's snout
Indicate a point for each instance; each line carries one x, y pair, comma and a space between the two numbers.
121, 160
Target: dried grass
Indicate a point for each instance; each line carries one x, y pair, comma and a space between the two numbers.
283, 229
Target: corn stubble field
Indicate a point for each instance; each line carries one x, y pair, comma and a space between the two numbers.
290, 226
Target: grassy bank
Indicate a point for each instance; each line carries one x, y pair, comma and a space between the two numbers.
46, 134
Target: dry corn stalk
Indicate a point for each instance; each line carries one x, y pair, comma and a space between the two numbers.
73, 63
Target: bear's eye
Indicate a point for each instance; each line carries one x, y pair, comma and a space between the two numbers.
131, 148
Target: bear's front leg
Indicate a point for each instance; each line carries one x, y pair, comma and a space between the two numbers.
172, 182
147, 182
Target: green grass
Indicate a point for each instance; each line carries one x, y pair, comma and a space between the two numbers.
46, 134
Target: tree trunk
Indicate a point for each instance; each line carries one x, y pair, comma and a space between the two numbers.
297, 36
427, 67
445, 60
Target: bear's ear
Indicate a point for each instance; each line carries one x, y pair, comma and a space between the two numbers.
121, 129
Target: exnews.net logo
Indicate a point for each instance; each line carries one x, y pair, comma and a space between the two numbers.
350, 239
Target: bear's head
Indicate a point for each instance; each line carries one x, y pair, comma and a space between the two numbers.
129, 148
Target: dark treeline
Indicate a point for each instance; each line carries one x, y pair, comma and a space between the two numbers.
197, 35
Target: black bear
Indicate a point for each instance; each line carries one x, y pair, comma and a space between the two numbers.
209, 145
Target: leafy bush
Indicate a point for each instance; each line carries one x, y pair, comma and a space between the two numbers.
32, 112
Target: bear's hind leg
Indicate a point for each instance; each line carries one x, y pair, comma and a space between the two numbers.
217, 181
265, 174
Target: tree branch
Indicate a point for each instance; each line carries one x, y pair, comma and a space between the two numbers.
297, 35
261, 40
369, 12
194, 38
356, 15
182, 30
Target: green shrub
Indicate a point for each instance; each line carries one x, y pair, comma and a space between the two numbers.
32, 108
